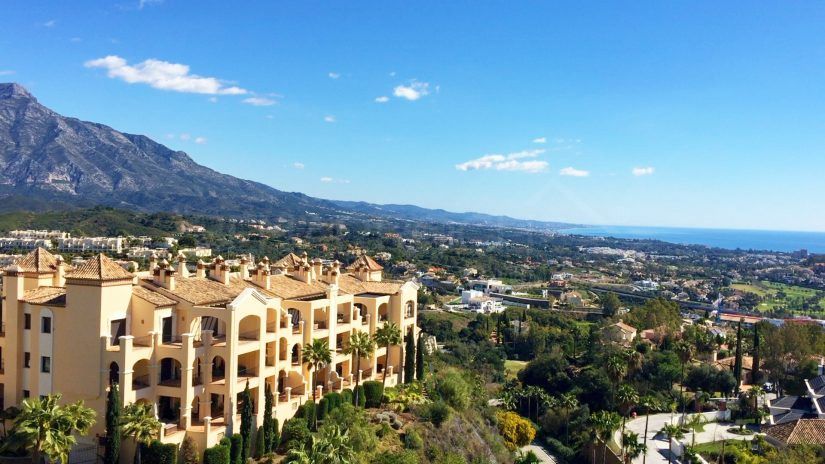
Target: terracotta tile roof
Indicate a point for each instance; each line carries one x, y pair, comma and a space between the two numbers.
728, 363
354, 286
152, 297
203, 291
51, 296
365, 261
799, 432
101, 267
290, 288
38, 260
289, 261
624, 327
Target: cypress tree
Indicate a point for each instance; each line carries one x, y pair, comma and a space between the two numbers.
274, 436
755, 372
419, 358
737, 366
266, 446
112, 453
409, 358
521, 321
246, 423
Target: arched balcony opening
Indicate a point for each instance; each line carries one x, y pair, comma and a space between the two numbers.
170, 372
249, 328
140, 375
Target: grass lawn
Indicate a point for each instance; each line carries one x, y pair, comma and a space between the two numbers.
512, 367
793, 299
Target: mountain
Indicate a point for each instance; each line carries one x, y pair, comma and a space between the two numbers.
49, 161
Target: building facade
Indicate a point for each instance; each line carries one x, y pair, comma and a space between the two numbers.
190, 343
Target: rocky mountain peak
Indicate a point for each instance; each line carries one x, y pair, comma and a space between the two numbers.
14, 90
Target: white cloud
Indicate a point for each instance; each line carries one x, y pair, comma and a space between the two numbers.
298, 165
392, 74
200, 140
330, 180
185, 136
507, 162
50, 23
213, 99
540, 140
334, 75
573, 172
143, 3
6, 72
643, 171
329, 118
269, 116
75, 40
382, 99
259, 101
163, 75
412, 92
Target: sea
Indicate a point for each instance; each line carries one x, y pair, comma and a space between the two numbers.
769, 240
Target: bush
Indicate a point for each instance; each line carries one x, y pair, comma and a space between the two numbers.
218, 454
259, 443
559, 449
438, 413
188, 451
334, 400
309, 413
159, 453
295, 434
373, 392
361, 433
346, 396
454, 389
412, 440
403, 457
236, 449
516, 430
362, 397
323, 408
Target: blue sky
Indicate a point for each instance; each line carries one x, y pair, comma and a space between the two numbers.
705, 114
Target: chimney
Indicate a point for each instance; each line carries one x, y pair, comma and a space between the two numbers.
266, 262
335, 272
261, 276
220, 271
201, 269
183, 272
59, 279
280, 269
244, 268
167, 275
153, 262
317, 268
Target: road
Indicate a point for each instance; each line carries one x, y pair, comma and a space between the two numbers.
658, 446
540, 452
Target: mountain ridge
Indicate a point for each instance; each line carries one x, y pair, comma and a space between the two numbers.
52, 161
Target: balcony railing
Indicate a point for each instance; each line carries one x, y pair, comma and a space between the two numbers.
321, 325
244, 372
170, 382
145, 340
249, 335
272, 327
172, 340
141, 381
218, 375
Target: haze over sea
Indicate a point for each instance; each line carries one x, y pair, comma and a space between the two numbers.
772, 240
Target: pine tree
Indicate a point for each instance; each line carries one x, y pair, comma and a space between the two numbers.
246, 423
266, 446
409, 358
112, 452
419, 358
755, 372
737, 366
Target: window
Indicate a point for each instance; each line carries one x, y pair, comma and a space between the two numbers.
27, 321
45, 364
27, 359
46, 325
26, 394
118, 327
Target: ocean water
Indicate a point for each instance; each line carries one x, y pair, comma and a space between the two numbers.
722, 238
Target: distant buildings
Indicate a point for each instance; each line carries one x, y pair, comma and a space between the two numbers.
488, 286
477, 301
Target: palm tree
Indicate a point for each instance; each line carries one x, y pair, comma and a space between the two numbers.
647, 402
684, 351
604, 423
568, 402
627, 397
387, 336
631, 446
672, 432
616, 368
139, 422
317, 354
360, 344
44, 427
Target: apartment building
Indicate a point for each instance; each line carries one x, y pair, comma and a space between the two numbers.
189, 343
91, 244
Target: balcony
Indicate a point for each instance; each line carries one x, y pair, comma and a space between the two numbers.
140, 382
272, 327
2, 329
249, 336
170, 382
245, 373
321, 325
144, 341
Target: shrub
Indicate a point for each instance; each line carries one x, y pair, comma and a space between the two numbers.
559, 449
188, 451
309, 413
334, 400
346, 396
361, 433
438, 413
295, 434
412, 440
236, 449
373, 392
454, 389
159, 453
274, 435
516, 430
260, 444
218, 454
403, 457
323, 409
362, 399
